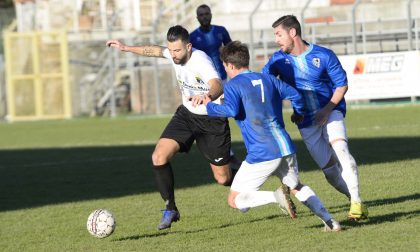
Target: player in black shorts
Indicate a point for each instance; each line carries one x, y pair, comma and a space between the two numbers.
211, 134
197, 77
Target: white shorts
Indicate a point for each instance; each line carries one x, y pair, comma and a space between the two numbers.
318, 138
251, 177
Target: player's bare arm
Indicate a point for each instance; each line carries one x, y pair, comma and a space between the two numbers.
321, 116
216, 90
143, 50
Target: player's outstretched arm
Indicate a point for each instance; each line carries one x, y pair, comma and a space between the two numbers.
144, 50
230, 106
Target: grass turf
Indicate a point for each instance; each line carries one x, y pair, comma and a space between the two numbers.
54, 173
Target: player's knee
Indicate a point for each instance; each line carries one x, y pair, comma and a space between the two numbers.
231, 200
223, 180
340, 148
343, 154
158, 158
222, 175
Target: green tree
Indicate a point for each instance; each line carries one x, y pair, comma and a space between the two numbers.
6, 3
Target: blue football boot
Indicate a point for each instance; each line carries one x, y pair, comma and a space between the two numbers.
168, 217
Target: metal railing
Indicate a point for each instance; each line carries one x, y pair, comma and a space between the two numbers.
354, 35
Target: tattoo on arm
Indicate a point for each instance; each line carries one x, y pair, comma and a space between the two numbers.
148, 51
152, 51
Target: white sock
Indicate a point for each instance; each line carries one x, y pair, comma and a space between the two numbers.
334, 177
254, 199
349, 166
309, 199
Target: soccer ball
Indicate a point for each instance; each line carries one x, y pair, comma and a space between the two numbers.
101, 223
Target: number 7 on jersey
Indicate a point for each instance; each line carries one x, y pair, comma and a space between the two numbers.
256, 83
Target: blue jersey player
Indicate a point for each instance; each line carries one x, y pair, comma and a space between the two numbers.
317, 74
209, 38
254, 100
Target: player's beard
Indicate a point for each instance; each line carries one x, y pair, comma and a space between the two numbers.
287, 48
181, 61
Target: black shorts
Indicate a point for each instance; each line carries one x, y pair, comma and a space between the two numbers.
212, 134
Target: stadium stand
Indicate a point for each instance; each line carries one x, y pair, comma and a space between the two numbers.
346, 26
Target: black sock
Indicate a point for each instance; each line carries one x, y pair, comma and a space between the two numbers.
164, 178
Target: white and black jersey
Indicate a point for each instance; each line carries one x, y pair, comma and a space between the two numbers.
193, 78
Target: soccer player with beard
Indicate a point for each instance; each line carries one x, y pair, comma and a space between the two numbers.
317, 74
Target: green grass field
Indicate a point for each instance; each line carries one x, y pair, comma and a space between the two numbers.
54, 173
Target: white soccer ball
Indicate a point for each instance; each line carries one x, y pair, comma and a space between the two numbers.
101, 223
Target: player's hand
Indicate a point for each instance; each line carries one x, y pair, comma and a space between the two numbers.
321, 117
296, 118
116, 44
196, 100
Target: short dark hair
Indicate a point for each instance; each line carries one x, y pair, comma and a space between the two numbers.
288, 22
235, 53
178, 32
203, 6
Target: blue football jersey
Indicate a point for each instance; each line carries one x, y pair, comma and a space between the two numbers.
315, 74
210, 42
255, 101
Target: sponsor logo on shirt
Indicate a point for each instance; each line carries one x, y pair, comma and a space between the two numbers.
193, 89
316, 62
199, 80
